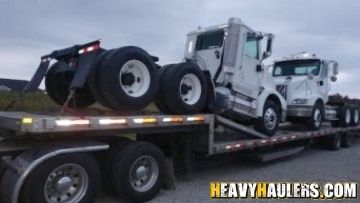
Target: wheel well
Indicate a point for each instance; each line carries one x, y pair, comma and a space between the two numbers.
275, 99
211, 87
321, 102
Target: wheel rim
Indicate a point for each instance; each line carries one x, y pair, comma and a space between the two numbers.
67, 183
317, 118
190, 89
338, 141
270, 118
347, 116
144, 173
134, 78
356, 116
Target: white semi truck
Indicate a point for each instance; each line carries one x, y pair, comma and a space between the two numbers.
62, 156
304, 80
222, 72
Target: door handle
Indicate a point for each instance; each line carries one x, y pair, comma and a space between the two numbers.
217, 54
259, 68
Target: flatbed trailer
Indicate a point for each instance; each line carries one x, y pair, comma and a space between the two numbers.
32, 142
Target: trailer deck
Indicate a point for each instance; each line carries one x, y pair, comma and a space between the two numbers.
236, 137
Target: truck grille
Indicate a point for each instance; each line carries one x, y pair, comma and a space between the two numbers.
282, 89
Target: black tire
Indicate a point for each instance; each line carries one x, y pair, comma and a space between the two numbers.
159, 99
173, 89
33, 188
355, 115
260, 123
108, 162
111, 84
334, 142
94, 82
317, 111
57, 83
346, 140
344, 120
122, 163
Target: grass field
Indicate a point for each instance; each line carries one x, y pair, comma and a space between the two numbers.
40, 102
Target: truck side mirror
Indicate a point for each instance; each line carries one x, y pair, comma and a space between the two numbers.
268, 52
335, 69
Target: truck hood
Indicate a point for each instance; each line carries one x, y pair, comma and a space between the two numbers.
298, 87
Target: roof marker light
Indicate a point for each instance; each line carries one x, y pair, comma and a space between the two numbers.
111, 121
72, 122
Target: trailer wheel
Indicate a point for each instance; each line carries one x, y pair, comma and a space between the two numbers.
269, 122
128, 79
138, 171
334, 141
159, 99
314, 121
65, 178
57, 83
355, 115
345, 116
346, 140
184, 89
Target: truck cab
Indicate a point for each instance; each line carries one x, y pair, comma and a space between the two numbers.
304, 80
231, 56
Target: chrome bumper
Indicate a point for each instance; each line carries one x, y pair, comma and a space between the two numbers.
299, 111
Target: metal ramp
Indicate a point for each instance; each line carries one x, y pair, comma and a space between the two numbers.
239, 127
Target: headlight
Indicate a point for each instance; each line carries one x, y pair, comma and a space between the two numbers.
299, 101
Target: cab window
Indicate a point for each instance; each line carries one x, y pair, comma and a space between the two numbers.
210, 40
252, 46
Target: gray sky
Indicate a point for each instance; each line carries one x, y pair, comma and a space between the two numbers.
31, 28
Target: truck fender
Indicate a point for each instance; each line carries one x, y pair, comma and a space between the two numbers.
274, 95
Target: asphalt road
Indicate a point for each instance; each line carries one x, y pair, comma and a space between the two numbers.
313, 165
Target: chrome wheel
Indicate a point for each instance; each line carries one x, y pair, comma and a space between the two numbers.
270, 118
356, 116
65, 184
190, 89
317, 118
144, 173
134, 78
347, 115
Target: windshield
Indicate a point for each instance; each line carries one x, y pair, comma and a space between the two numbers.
297, 67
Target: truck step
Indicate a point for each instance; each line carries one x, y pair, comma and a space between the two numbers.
239, 127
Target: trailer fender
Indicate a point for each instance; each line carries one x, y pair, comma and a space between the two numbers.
22, 166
